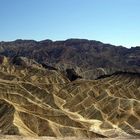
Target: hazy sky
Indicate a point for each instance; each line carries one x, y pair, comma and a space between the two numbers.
109, 21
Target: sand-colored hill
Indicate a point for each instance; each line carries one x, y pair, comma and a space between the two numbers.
35, 102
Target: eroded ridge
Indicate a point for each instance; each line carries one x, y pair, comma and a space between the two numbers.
109, 106
39, 102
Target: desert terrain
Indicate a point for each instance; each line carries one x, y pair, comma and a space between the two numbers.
43, 101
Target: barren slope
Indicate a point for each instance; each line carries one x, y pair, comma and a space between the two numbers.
38, 102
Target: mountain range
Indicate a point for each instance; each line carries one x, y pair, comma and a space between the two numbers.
88, 58
75, 88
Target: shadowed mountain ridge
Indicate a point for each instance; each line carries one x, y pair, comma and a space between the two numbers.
90, 59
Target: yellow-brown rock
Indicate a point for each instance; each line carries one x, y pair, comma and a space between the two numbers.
39, 102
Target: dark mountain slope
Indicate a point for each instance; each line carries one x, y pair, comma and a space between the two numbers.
88, 58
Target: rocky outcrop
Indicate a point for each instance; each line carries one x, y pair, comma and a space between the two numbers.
72, 75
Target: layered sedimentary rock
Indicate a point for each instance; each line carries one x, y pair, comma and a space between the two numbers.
35, 101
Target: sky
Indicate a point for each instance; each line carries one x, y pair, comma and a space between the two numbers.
110, 21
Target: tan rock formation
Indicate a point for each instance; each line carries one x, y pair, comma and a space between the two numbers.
39, 102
